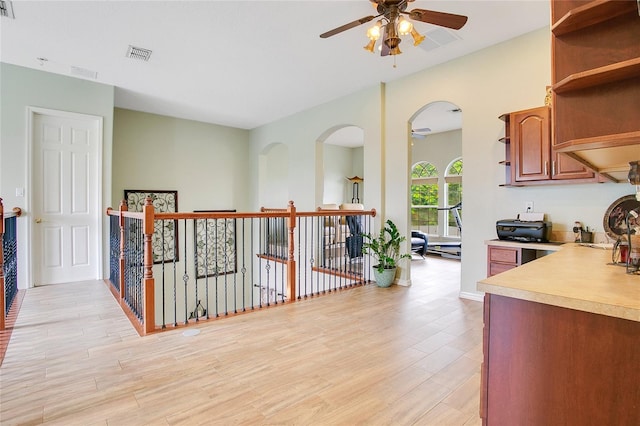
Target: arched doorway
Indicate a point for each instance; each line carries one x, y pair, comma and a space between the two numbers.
341, 150
436, 183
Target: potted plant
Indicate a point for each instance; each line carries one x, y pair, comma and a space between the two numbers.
385, 248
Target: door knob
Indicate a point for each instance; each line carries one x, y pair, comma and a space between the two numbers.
38, 220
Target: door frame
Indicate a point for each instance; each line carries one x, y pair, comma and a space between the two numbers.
30, 202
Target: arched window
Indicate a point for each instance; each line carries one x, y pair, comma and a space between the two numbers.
424, 197
453, 181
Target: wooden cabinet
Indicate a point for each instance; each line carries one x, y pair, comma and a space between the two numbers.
547, 365
532, 157
500, 259
596, 83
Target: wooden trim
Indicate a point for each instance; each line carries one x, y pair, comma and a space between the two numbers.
591, 13
339, 273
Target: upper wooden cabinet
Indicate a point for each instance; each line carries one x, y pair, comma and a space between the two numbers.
532, 157
596, 83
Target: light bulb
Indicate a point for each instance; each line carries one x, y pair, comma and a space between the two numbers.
404, 26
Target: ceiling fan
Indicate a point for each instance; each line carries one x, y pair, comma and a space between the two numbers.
393, 24
420, 133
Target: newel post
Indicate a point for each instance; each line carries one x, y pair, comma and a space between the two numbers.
3, 310
148, 281
123, 208
291, 263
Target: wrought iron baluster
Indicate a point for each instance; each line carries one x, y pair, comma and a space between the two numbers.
185, 276
206, 263
164, 323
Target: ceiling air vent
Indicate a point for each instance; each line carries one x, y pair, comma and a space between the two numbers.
438, 37
6, 9
138, 53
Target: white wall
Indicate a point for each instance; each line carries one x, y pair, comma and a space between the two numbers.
23, 87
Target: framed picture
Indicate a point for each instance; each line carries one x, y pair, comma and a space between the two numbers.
215, 245
165, 232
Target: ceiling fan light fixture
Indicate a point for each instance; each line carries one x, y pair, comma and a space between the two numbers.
404, 27
417, 37
373, 33
370, 46
391, 39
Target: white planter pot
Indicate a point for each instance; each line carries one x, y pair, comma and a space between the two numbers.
384, 279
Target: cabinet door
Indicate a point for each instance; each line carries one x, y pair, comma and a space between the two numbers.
565, 167
531, 145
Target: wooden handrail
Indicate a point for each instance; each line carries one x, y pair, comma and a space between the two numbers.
15, 212
325, 212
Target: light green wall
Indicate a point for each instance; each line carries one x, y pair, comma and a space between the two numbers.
301, 133
340, 162
274, 176
24, 87
506, 77
206, 163
439, 149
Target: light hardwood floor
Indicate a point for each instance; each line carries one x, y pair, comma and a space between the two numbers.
371, 356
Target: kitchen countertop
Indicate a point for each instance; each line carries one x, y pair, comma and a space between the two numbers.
574, 277
551, 246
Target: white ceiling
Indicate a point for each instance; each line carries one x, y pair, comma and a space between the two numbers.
239, 63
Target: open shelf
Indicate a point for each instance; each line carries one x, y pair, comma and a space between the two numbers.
602, 75
591, 14
598, 142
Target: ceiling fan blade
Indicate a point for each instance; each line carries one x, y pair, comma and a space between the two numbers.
442, 19
346, 27
418, 135
421, 130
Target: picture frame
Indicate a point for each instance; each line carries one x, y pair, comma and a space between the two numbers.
165, 247
215, 245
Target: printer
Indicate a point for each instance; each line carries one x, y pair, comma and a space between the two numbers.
538, 231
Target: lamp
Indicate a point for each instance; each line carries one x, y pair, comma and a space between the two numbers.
356, 183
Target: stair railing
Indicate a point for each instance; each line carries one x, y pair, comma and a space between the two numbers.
8, 261
176, 269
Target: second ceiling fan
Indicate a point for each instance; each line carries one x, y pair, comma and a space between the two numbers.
393, 24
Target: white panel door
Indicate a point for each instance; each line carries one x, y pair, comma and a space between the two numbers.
66, 188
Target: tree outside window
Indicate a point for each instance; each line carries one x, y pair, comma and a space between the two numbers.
424, 197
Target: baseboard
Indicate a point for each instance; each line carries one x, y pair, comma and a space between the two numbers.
479, 297
403, 282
